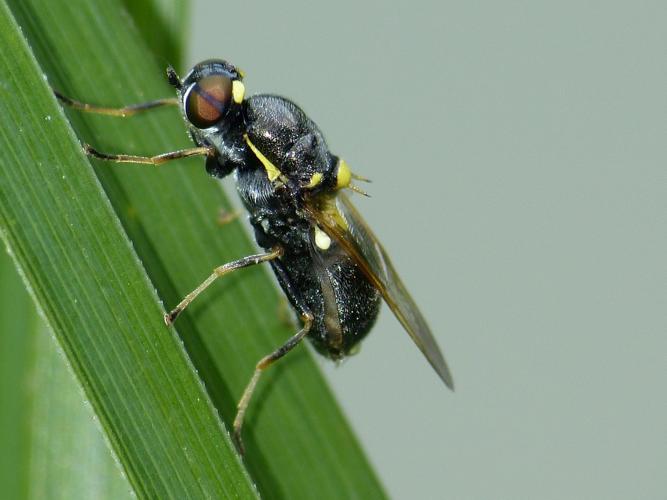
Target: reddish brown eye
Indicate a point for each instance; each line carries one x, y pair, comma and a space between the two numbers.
206, 102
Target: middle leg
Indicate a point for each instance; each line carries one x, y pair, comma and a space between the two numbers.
217, 273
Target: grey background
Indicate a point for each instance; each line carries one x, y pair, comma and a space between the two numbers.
518, 156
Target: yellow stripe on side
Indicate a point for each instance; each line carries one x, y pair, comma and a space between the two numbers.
271, 170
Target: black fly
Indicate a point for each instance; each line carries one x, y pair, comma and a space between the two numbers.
327, 260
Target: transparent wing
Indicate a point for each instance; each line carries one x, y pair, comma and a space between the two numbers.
341, 221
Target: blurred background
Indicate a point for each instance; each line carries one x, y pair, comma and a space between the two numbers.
518, 153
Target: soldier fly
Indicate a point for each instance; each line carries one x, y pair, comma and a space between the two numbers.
328, 262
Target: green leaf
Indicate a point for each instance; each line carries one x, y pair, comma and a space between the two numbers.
97, 299
17, 327
68, 455
298, 444
52, 444
163, 25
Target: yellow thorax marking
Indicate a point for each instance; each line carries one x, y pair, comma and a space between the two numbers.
315, 180
344, 178
344, 175
271, 170
238, 91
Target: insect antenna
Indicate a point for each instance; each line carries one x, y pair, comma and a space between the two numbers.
360, 178
357, 189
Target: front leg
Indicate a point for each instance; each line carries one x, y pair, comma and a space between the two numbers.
151, 160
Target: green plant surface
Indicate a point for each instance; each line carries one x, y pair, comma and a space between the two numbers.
72, 251
68, 455
163, 24
53, 447
18, 324
298, 443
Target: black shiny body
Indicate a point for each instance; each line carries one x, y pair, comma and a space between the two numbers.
326, 283
327, 260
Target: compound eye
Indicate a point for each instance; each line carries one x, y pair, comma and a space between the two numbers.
206, 101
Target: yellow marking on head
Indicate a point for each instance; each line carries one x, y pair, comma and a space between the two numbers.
271, 170
343, 176
322, 239
238, 91
240, 72
314, 180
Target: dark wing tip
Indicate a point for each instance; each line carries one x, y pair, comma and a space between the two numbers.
437, 361
362, 245
446, 376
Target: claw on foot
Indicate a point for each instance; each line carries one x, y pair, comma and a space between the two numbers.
170, 317
238, 441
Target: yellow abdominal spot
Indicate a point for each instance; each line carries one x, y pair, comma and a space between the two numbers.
322, 239
271, 170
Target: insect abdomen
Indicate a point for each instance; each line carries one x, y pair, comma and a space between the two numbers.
344, 303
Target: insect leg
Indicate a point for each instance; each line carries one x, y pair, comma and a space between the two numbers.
262, 365
221, 271
226, 216
130, 110
150, 160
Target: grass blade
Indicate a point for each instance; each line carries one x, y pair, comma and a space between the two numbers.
298, 443
17, 327
68, 455
163, 25
72, 251
52, 445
